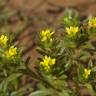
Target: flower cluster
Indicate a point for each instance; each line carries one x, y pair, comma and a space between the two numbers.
11, 53
92, 22
3, 40
46, 35
47, 62
71, 31
86, 73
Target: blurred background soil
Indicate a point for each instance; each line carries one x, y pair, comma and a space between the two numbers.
40, 14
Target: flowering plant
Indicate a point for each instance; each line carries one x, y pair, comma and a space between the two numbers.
66, 65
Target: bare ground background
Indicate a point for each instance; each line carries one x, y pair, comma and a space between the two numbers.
41, 14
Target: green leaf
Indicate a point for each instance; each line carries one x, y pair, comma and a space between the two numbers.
80, 73
64, 93
22, 91
4, 84
40, 93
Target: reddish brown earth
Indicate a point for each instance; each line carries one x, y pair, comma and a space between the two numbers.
46, 13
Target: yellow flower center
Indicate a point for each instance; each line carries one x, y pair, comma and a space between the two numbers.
48, 62
71, 31
3, 40
86, 73
11, 52
46, 35
92, 22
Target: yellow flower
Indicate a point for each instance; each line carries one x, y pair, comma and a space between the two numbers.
71, 31
3, 40
11, 53
48, 62
86, 73
92, 22
46, 35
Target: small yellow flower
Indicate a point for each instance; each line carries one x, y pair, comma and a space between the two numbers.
92, 22
46, 35
71, 31
48, 62
11, 53
86, 73
3, 40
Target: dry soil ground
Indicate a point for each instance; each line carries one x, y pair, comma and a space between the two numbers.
47, 13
